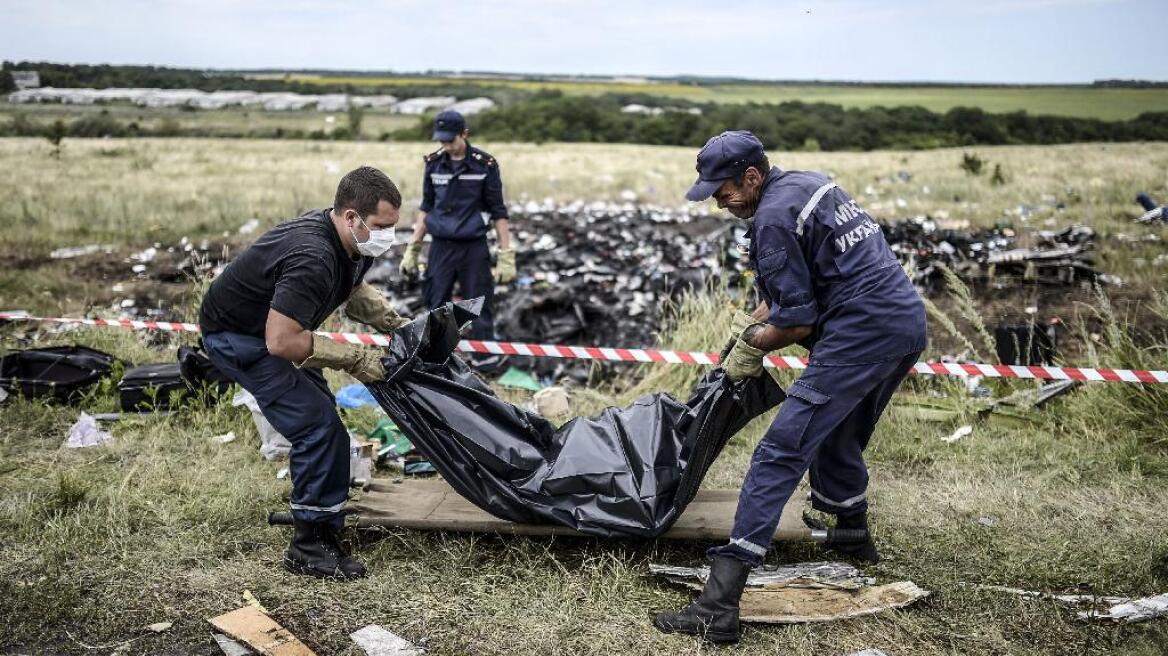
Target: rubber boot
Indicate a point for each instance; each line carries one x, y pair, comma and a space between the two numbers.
714, 614
863, 551
316, 551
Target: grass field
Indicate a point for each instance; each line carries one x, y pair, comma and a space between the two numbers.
165, 525
1086, 102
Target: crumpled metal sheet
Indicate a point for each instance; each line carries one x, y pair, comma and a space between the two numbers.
808, 575
1131, 610
621, 472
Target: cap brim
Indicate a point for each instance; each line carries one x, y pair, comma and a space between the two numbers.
444, 135
703, 189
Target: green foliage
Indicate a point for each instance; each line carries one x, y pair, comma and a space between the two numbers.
55, 133
554, 116
971, 164
7, 84
356, 118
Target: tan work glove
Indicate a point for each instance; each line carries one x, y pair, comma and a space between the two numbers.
371, 308
738, 324
362, 363
505, 266
409, 264
743, 361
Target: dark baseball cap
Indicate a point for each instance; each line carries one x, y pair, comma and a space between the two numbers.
723, 157
448, 125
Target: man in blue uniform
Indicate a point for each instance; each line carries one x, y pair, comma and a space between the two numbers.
828, 282
462, 194
258, 320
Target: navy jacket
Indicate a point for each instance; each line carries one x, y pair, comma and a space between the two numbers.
461, 198
822, 261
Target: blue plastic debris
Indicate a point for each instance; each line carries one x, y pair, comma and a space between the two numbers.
354, 396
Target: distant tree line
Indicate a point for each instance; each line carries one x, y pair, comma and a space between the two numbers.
105, 76
552, 116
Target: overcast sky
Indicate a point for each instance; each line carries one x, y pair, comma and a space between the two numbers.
871, 40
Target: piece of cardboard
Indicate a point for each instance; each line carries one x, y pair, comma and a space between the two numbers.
264, 634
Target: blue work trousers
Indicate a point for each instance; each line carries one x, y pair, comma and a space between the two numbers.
822, 427
469, 264
298, 404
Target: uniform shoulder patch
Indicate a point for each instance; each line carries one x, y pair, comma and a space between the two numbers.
432, 156
483, 157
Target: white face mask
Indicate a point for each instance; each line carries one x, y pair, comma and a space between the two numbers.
378, 243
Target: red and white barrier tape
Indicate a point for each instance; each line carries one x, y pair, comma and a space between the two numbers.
665, 356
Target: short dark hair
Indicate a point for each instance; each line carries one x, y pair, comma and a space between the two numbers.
761, 163
362, 189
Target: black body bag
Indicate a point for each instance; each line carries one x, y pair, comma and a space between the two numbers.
621, 472
152, 387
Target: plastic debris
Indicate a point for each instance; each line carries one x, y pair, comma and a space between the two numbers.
552, 402
225, 438
282, 474
806, 592
958, 434
230, 647
70, 252
868, 652
160, 626
1118, 609
519, 379
85, 433
273, 445
249, 227
379, 641
354, 396
819, 574
3, 395
1132, 610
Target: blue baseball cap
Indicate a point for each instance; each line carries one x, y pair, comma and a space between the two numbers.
723, 157
448, 125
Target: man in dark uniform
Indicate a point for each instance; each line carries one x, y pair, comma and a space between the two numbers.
258, 319
462, 194
828, 282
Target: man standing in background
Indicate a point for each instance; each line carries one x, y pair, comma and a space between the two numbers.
462, 195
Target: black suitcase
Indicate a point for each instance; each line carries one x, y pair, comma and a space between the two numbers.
152, 387
63, 373
201, 375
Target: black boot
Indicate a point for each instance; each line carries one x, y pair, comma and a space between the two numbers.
863, 551
316, 551
714, 614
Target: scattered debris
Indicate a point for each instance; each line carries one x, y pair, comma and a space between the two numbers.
1119, 609
958, 434
249, 227
519, 379
273, 445
251, 600
264, 634
1133, 610
3, 395
379, 641
868, 652
552, 402
820, 574
85, 433
79, 251
282, 474
987, 521
807, 592
230, 647
160, 626
354, 396
225, 438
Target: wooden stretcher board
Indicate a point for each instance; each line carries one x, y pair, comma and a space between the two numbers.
432, 505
